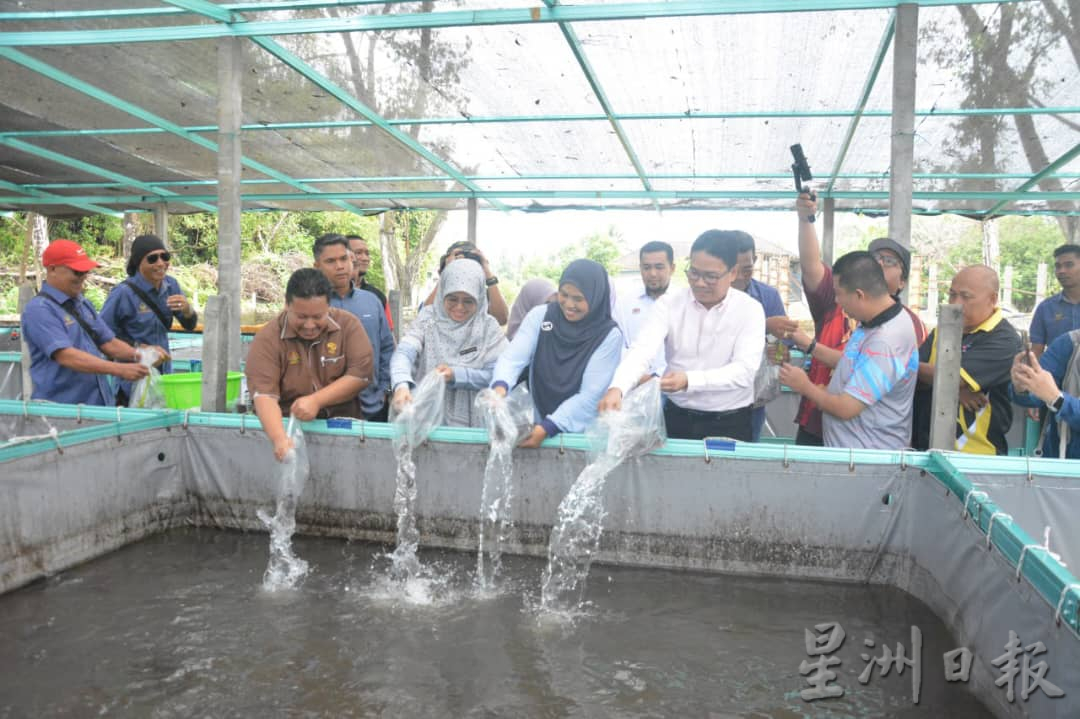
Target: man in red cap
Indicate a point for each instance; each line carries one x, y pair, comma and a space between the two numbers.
67, 339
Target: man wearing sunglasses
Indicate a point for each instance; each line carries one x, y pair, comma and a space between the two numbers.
141, 309
68, 341
711, 335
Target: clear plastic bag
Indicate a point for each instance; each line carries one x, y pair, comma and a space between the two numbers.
636, 429
148, 393
503, 416
417, 419
767, 379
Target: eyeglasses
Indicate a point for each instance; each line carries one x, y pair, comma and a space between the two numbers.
78, 273
464, 301
158, 257
709, 278
887, 260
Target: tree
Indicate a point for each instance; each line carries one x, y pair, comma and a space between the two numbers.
1008, 60
403, 74
406, 239
604, 247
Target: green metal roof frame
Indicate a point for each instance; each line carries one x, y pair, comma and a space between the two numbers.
456, 18
228, 23
161, 123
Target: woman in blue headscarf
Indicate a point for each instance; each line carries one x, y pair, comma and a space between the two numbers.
571, 348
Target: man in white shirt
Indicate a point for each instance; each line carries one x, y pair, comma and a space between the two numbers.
711, 335
657, 261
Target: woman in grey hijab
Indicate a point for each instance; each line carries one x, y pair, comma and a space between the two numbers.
455, 336
533, 293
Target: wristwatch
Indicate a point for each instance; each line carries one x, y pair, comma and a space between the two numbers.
1057, 404
491, 281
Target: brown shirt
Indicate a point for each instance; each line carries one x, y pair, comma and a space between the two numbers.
282, 365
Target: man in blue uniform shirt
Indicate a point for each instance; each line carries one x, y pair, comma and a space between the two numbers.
334, 260
140, 310
68, 341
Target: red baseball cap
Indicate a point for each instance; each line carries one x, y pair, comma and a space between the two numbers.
68, 254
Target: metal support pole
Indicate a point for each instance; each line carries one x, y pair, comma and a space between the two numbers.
214, 359
946, 393
471, 204
827, 230
230, 72
161, 221
902, 157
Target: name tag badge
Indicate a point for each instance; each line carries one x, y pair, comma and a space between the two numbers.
469, 351
324, 360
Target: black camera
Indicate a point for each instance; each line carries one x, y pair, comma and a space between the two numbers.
473, 256
801, 170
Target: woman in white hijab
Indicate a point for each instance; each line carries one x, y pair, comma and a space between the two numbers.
455, 336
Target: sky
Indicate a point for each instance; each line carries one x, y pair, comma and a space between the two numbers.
515, 234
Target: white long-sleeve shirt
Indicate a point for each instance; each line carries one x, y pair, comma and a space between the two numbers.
631, 314
719, 349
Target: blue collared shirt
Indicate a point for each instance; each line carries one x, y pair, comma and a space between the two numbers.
365, 306
47, 329
1054, 317
769, 298
135, 322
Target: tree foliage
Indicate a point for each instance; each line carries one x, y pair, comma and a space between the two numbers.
953, 243
1011, 55
604, 247
273, 245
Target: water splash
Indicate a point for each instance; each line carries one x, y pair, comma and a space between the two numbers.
508, 421
285, 570
412, 425
575, 539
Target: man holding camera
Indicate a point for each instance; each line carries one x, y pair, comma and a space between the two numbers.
832, 326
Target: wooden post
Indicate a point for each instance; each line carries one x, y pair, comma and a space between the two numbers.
902, 150
784, 284
471, 233
27, 291
991, 244
946, 396
915, 288
932, 288
828, 230
215, 354
230, 91
394, 298
161, 221
1040, 284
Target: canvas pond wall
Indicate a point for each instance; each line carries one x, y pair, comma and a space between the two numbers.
853, 517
